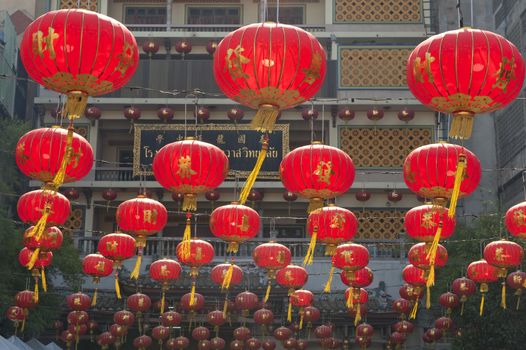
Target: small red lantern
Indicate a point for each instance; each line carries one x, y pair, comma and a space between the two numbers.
197, 254
463, 287
272, 75
364, 330
346, 114
330, 225
36, 260
404, 326
406, 115
150, 47
246, 301
235, 114
235, 224
255, 196
356, 297
309, 113
363, 342
202, 114
236, 345
482, 272
449, 301
96, 266
358, 279
203, 345
92, 113
51, 239
43, 208
139, 303
419, 256
190, 167
292, 277
290, 343
434, 334
117, 247
132, 113
183, 47
212, 196
322, 331
78, 301
317, 172
268, 345
217, 343
465, 72
124, 318
271, 257
363, 195
252, 344
160, 333
200, 333
118, 331
192, 303
311, 315
142, 342
165, 113
264, 317
242, 333
226, 275
394, 196
422, 222
71, 194
301, 298
164, 271
78, 317
397, 338
67, 337
282, 333
216, 318
171, 319
349, 257
516, 280
443, 323
402, 306
182, 342
515, 220
211, 47
17, 315
109, 194
375, 114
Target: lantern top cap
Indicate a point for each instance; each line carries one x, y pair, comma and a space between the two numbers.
316, 143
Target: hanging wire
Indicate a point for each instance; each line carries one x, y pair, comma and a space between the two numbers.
277, 11
460, 15
323, 124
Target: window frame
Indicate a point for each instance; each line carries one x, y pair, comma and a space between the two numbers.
127, 6
302, 6
225, 6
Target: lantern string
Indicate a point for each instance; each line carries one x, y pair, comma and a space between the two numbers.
460, 15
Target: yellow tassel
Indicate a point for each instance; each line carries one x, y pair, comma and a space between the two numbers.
228, 277
23, 325
289, 312
358, 316
192, 294
462, 309
225, 308
75, 104
412, 315
350, 301
314, 203
428, 298
251, 179
312, 246
265, 118
327, 288
189, 202
94, 298
503, 296
58, 180
135, 273
40, 226
44, 281
35, 293
481, 311
267, 293
461, 125
459, 176
232, 247
431, 276
117, 287
187, 236
163, 301
33, 260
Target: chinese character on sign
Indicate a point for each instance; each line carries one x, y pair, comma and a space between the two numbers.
220, 139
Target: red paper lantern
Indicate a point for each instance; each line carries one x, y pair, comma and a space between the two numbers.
311, 315
364, 330
438, 181
465, 72
67, 337
285, 69
221, 276
252, 344
92, 113
216, 318
358, 279
78, 317
78, 301
182, 342
443, 323
332, 226
142, 342
200, 333
235, 114
363, 195
516, 280
160, 333
202, 114
301, 298
32, 205
43, 259
404, 326
139, 303
449, 301
309, 114
422, 222
302, 344
463, 287
118, 331
51, 239
322, 331
212, 196
434, 334
363, 342
192, 304
105, 339
97, 56
271, 257
235, 224
40, 152
164, 271
292, 277
406, 115
482, 272
504, 255
356, 296
402, 306
183, 47
211, 47
78, 330
201, 253
165, 113
290, 343
236, 345
410, 292
346, 114
217, 343
282, 333
317, 172
397, 338
72, 194
418, 256
150, 47
246, 301
263, 317
350, 257
268, 345
515, 220
124, 318
96, 266
141, 216
242, 333
190, 167
414, 275
117, 247
375, 114
171, 319
109, 194
290, 196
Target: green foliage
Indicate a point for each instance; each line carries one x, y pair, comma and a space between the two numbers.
497, 328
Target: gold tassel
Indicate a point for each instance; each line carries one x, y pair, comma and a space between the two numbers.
192, 294
163, 300
117, 287
40, 226
23, 325
251, 179
481, 311
75, 104
312, 246
35, 293
267, 293
94, 298
187, 236
265, 118
228, 277
225, 308
461, 125
412, 315
503, 296
289, 312
431, 276
301, 320
327, 288
232, 247
58, 180
314, 203
459, 176
350, 301
330, 249
189, 202
431, 256
44, 281
33, 260
428, 298
135, 273
358, 316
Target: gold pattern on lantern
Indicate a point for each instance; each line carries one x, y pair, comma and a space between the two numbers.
517, 279
100, 266
324, 172
76, 301
164, 271
20, 149
75, 157
112, 246
288, 275
280, 257
150, 216
519, 218
140, 302
198, 253
422, 68
269, 95
234, 63
90, 84
463, 102
43, 43
313, 72
185, 167
505, 74
498, 254
244, 226
347, 256
337, 221
126, 58
427, 221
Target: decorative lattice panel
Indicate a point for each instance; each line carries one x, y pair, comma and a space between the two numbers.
379, 224
378, 11
83, 4
373, 67
75, 221
382, 147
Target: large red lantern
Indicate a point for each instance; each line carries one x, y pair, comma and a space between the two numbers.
515, 220
292, 277
226, 275
463, 287
246, 301
482, 272
190, 167
40, 154
117, 247
422, 222
79, 53
465, 72
235, 224
284, 69
271, 257
317, 172
358, 279
164, 271
330, 225
78, 301
96, 266
301, 298
349, 257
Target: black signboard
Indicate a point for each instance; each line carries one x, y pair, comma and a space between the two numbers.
240, 143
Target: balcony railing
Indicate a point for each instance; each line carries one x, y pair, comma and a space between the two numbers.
165, 246
212, 28
115, 174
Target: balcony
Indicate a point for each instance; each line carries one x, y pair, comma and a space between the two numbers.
224, 29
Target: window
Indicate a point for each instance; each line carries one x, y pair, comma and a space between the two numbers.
287, 14
145, 15
213, 15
